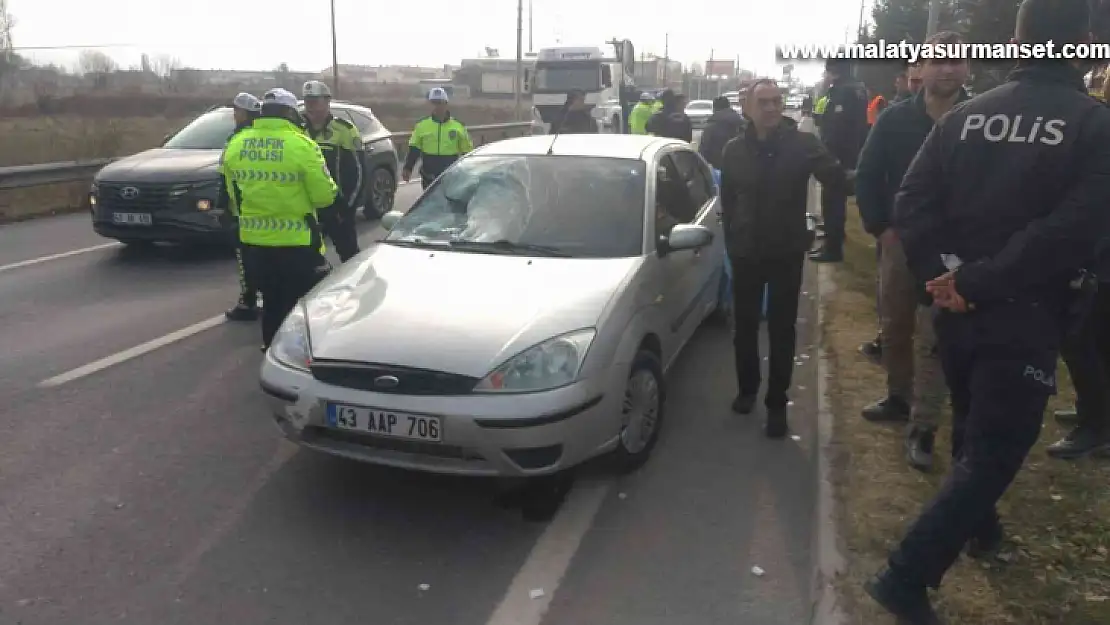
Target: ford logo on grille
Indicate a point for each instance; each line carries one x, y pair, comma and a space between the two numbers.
386, 381
129, 193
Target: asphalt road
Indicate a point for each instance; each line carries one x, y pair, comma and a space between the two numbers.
153, 489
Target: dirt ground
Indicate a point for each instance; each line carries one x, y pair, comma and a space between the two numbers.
41, 139
1055, 569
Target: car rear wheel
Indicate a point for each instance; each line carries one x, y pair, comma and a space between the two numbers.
383, 187
641, 412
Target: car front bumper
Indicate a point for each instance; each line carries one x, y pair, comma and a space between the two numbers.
519, 435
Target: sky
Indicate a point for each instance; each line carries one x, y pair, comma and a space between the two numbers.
223, 34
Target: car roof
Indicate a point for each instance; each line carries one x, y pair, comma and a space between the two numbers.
635, 147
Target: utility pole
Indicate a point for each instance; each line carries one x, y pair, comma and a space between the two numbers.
529, 26
934, 18
519, 54
666, 58
334, 55
861, 31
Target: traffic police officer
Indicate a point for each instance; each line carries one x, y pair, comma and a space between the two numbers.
1003, 205
438, 140
279, 179
245, 108
641, 113
341, 144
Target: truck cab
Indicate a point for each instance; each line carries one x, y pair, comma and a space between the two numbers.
561, 69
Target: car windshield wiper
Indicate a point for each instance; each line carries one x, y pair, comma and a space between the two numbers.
505, 245
418, 243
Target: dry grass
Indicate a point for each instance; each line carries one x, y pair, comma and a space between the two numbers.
43, 139
1057, 513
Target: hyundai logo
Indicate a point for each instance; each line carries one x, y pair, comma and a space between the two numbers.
129, 193
386, 381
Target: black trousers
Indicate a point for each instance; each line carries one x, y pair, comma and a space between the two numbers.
1000, 366
284, 275
248, 291
1087, 356
782, 276
834, 212
337, 222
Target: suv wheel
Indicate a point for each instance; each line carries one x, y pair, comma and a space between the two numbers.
383, 187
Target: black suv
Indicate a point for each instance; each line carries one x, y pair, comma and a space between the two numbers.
170, 193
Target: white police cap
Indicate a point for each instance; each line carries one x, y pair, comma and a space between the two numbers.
247, 102
315, 89
646, 97
437, 94
280, 96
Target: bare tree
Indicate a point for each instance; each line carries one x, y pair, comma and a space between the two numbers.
163, 65
95, 62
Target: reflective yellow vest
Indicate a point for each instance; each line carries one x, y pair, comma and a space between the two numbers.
277, 178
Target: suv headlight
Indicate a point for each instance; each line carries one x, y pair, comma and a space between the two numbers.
291, 346
551, 364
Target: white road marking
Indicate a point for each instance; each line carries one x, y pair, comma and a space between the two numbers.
43, 259
550, 557
134, 352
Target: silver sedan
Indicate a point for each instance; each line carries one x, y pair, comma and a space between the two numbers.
518, 321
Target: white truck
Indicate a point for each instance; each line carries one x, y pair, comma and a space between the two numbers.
561, 69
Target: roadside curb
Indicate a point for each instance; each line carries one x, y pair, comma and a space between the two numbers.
829, 560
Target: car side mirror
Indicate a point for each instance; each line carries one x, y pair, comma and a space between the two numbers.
688, 237
390, 219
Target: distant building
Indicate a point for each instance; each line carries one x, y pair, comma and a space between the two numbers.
387, 74
652, 73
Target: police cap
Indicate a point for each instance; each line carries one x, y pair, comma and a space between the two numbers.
281, 97
437, 94
315, 89
247, 102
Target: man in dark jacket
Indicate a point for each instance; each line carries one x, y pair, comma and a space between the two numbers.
575, 117
843, 130
723, 126
1002, 206
245, 108
764, 186
1087, 356
915, 383
671, 121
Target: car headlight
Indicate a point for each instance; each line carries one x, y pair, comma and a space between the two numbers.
551, 364
291, 346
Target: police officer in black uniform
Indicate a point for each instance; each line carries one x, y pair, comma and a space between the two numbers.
1003, 205
246, 108
843, 127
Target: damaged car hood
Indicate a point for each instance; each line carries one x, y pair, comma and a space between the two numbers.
457, 312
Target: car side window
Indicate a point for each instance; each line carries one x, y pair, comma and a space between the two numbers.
366, 124
698, 185
672, 202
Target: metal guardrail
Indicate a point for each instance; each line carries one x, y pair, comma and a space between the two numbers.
27, 176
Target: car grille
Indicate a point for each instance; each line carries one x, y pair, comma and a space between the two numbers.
409, 381
151, 197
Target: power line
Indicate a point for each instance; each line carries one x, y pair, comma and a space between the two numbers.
105, 45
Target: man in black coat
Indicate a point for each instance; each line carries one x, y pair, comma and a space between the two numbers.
671, 121
764, 188
723, 126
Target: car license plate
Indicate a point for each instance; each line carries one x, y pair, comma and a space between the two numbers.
385, 423
132, 219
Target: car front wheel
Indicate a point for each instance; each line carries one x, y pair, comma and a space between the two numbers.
641, 412
383, 186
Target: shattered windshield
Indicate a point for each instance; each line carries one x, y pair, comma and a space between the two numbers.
587, 207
